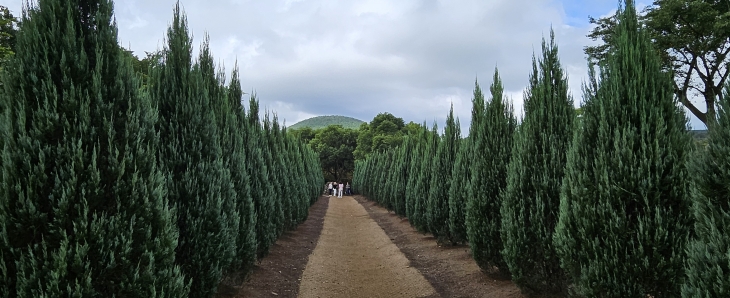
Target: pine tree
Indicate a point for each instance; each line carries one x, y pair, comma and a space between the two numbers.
708, 253
83, 205
443, 166
531, 202
199, 184
624, 212
484, 219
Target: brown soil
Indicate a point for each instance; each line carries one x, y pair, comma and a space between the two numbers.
354, 258
450, 269
279, 273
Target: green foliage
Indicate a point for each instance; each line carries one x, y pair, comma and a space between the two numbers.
419, 218
230, 117
437, 206
691, 38
412, 193
83, 205
459, 192
142, 67
320, 122
199, 183
8, 34
106, 190
305, 134
708, 253
258, 172
493, 140
534, 175
624, 211
401, 173
335, 146
384, 132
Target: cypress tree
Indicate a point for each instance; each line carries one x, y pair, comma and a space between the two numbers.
531, 202
443, 166
419, 220
413, 178
283, 174
199, 184
708, 252
625, 214
275, 172
83, 206
258, 172
459, 191
214, 92
484, 220
232, 115
404, 162
474, 220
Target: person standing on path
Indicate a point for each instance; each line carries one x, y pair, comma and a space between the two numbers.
340, 188
330, 190
347, 189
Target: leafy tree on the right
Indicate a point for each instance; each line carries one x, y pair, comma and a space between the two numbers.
708, 253
624, 210
691, 38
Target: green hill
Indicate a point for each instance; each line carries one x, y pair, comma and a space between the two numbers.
324, 121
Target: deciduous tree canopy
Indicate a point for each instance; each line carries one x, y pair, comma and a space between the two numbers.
692, 38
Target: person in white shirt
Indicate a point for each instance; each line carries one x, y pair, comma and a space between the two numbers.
330, 188
341, 187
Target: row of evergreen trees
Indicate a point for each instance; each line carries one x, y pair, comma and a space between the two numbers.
616, 203
110, 188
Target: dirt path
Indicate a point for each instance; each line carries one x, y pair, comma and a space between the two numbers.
278, 274
355, 258
450, 269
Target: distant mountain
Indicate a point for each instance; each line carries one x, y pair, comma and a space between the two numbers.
324, 121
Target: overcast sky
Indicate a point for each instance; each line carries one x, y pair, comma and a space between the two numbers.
412, 58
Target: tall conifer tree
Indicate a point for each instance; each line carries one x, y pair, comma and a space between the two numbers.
442, 169
199, 184
624, 213
234, 146
534, 175
414, 168
423, 185
83, 206
708, 259
258, 171
484, 220
459, 191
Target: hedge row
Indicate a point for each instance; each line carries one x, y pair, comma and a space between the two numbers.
111, 188
616, 203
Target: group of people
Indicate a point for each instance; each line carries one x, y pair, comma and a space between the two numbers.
334, 188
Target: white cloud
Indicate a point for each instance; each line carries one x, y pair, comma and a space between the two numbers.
412, 58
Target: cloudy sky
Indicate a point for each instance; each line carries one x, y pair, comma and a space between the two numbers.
412, 58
